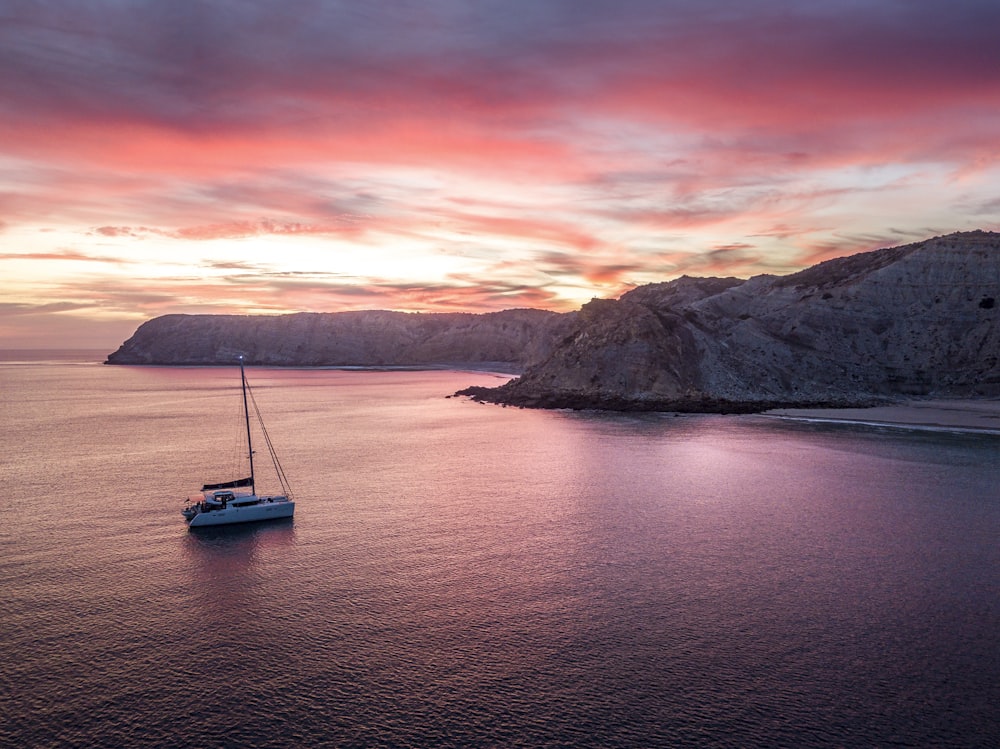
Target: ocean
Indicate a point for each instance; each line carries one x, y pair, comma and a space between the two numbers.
466, 575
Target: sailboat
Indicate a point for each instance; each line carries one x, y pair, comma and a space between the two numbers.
228, 502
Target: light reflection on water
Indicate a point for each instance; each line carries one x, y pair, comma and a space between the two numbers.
459, 574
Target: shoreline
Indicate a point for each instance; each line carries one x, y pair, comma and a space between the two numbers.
978, 416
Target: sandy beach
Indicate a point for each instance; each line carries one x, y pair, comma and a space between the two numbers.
974, 415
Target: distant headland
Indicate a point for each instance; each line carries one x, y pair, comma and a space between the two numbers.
915, 320
505, 340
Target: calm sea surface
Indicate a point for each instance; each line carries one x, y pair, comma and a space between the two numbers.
467, 575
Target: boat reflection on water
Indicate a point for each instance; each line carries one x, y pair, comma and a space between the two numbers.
279, 532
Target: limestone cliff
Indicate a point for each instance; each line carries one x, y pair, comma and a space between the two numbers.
920, 319
510, 339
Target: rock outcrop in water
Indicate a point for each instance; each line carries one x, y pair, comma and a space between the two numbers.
921, 319
506, 340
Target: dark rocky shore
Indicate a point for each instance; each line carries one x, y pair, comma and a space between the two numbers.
509, 396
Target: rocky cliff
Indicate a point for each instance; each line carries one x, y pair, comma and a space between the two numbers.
921, 319
510, 339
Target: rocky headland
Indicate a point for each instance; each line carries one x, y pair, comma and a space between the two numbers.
917, 320
920, 320
506, 341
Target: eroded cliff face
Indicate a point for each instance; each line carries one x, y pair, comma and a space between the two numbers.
915, 320
921, 319
511, 338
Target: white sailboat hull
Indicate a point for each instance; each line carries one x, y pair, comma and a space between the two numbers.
224, 503
267, 509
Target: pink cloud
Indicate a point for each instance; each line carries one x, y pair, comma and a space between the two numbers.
571, 143
523, 227
241, 229
62, 254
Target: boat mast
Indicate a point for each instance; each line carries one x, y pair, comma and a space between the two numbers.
246, 415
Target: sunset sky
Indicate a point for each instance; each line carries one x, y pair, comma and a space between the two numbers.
440, 155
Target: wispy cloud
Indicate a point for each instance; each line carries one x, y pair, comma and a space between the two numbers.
478, 154
62, 254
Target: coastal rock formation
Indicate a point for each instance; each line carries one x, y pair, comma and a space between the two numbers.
921, 319
505, 340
